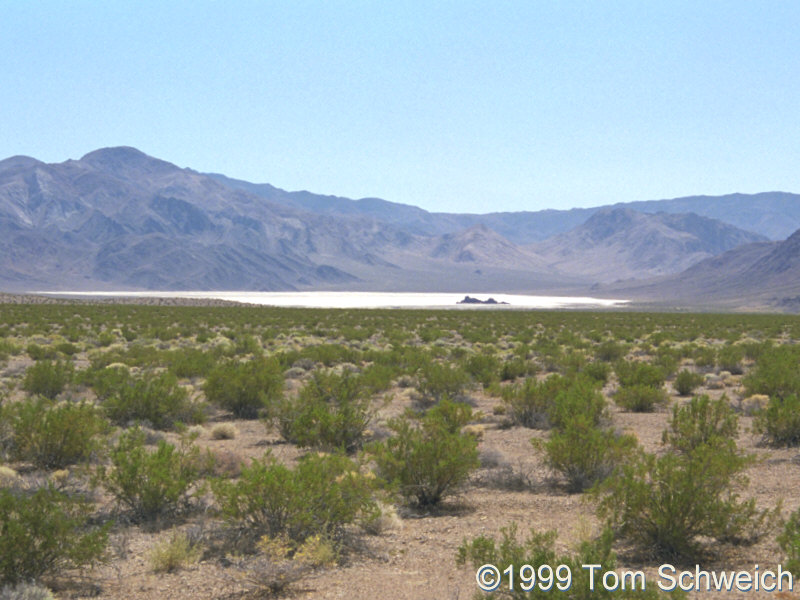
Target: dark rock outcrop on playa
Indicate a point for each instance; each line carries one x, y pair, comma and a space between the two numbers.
471, 300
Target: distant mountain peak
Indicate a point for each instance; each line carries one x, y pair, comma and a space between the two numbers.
123, 159
19, 162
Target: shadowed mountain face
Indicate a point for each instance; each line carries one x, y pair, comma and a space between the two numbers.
759, 275
621, 243
118, 218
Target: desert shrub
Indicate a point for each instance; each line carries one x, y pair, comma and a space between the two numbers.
321, 495
223, 431
37, 352
245, 388
105, 380
191, 362
540, 404
667, 359
484, 368
174, 553
516, 367
789, 541
8, 348
584, 453
599, 371
704, 356
576, 396
129, 334
667, 504
25, 591
331, 412
702, 421
153, 483
155, 399
106, 338
776, 373
377, 378
686, 381
330, 354
53, 436
779, 422
610, 351
640, 398
428, 456
570, 581
730, 359
632, 373
46, 378
436, 380
43, 532
67, 348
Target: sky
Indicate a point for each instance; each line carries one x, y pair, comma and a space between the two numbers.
451, 106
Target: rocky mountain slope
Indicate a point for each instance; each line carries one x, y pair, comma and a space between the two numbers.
759, 275
774, 215
620, 243
118, 218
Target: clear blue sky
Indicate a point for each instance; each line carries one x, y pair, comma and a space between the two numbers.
452, 106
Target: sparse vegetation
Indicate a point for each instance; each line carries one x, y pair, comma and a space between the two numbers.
153, 483
428, 456
357, 383
45, 531
245, 388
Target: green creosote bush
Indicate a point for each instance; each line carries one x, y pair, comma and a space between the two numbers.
730, 359
436, 380
67, 348
155, 399
46, 378
776, 373
577, 395
550, 402
599, 371
44, 532
667, 359
566, 578
191, 362
516, 367
428, 457
702, 421
686, 381
789, 541
151, 483
483, 368
53, 436
779, 422
610, 351
37, 352
705, 357
331, 412
321, 495
672, 504
584, 453
640, 398
528, 402
377, 378
632, 373
245, 388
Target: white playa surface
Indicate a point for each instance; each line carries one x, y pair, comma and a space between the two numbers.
367, 299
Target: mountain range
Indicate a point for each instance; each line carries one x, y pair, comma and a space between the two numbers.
118, 218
